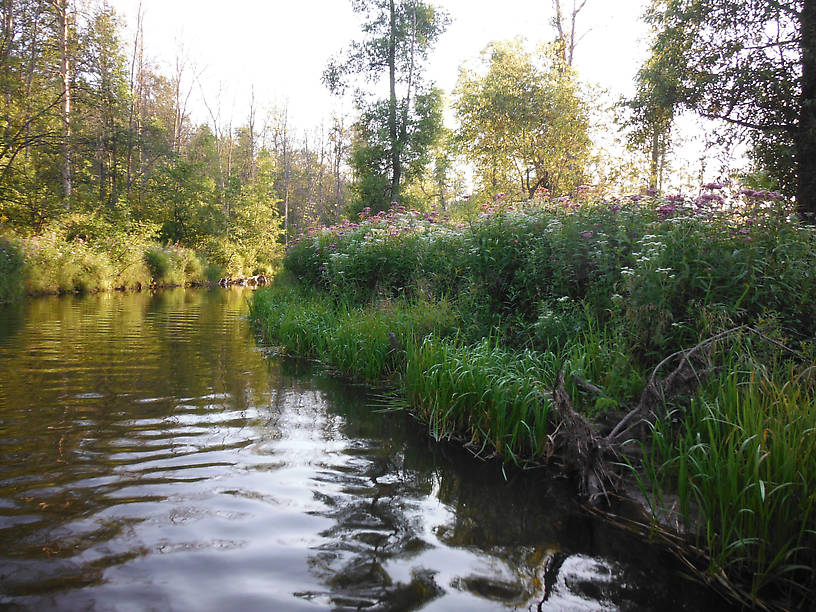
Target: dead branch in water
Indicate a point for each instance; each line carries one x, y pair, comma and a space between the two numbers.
593, 458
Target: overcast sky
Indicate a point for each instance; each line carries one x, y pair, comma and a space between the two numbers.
280, 47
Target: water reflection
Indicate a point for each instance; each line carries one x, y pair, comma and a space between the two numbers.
151, 457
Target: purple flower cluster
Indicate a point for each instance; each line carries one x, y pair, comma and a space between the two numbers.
666, 210
763, 194
706, 199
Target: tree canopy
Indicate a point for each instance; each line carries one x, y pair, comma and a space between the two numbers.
523, 122
394, 134
750, 64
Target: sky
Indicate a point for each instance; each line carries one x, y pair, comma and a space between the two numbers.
280, 48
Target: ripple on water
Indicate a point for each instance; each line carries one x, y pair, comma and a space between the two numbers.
152, 457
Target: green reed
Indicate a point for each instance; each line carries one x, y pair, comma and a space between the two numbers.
494, 399
743, 464
366, 343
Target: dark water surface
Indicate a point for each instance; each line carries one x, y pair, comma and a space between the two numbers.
153, 458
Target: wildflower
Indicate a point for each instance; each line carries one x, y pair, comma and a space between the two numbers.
587, 234
666, 210
651, 192
635, 197
713, 186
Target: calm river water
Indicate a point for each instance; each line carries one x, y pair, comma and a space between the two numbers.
153, 456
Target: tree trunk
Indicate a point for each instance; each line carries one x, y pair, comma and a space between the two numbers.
252, 155
654, 162
63, 17
396, 170
806, 137
134, 96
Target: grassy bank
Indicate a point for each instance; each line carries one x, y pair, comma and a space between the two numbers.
473, 315
83, 253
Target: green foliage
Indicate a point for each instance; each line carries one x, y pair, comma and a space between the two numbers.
173, 265
493, 399
671, 272
523, 122
736, 60
394, 135
126, 157
11, 270
84, 252
742, 464
354, 340
158, 262
604, 290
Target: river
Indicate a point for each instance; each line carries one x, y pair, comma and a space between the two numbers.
154, 455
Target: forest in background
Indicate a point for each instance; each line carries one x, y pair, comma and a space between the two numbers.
98, 141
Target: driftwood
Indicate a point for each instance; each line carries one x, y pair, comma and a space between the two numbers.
250, 281
594, 458
580, 448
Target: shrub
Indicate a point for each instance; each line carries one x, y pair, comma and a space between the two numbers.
11, 270
158, 262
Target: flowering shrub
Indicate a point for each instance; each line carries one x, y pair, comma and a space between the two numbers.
668, 268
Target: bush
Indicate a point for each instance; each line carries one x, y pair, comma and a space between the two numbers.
11, 270
174, 265
158, 262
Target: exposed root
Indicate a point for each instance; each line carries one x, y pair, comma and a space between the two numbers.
594, 459
582, 450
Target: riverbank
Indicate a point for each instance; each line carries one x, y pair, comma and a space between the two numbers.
672, 336
84, 254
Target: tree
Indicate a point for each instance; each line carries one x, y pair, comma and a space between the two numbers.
751, 64
371, 149
64, 13
653, 108
523, 121
565, 27
399, 36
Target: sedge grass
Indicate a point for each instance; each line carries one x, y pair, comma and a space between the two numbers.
496, 400
744, 468
357, 341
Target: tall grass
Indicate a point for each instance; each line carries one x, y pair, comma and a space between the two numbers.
497, 401
743, 465
363, 342
11, 270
